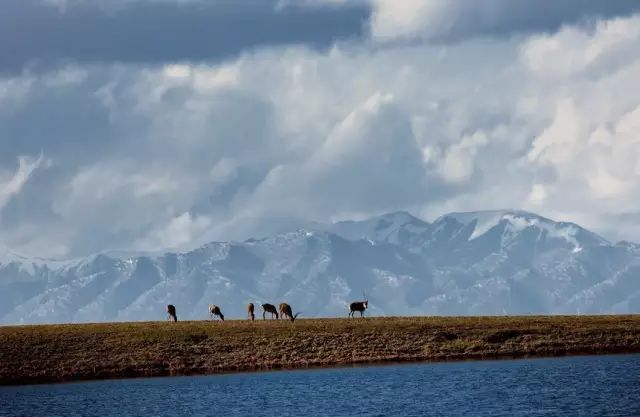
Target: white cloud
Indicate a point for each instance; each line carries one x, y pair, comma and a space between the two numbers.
65, 76
591, 142
176, 155
557, 143
176, 234
124, 195
407, 19
13, 93
12, 183
177, 71
537, 196
615, 42
395, 20
459, 162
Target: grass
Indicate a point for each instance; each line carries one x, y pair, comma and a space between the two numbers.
56, 353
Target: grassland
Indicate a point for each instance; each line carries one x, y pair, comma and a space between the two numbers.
56, 353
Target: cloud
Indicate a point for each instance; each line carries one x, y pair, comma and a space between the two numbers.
458, 163
178, 232
11, 184
589, 145
445, 20
372, 148
176, 154
36, 34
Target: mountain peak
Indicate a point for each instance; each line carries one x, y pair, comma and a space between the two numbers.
484, 220
389, 227
519, 220
400, 214
484, 215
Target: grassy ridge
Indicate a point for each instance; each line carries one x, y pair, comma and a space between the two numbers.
52, 353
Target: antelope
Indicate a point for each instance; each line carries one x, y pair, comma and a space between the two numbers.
214, 310
360, 306
285, 311
269, 308
171, 312
250, 311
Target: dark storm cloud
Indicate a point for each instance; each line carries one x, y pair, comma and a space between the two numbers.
33, 32
544, 15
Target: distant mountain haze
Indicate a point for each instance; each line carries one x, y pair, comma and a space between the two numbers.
475, 263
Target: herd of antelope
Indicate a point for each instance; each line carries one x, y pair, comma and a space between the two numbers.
284, 311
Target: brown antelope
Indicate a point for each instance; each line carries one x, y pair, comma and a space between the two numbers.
285, 311
360, 306
214, 310
250, 309
171, 312
269, 308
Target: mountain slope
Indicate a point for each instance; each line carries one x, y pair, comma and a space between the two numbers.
491, 262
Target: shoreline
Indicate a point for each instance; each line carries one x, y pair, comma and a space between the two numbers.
44, 354
390, 362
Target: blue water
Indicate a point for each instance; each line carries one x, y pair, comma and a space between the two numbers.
574, 386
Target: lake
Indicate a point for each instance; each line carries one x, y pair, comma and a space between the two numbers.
571, 386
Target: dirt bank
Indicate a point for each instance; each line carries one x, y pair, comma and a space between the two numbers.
56, 353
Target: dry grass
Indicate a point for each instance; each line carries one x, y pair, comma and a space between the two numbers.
52, 353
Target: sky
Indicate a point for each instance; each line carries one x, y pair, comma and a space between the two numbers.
149, 125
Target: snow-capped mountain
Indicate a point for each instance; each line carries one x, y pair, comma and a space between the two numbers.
491, 262
400, 228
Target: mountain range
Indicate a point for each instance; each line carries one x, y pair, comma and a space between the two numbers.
474, 263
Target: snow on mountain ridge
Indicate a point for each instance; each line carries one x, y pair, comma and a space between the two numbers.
30, 264
519, 220
487, 219
495, 262
383, 228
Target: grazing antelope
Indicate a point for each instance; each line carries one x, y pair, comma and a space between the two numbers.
285, 311
269, 308
360, 306
214, 310
171, 312
250, 309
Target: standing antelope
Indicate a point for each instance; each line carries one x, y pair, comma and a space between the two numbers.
214, 310
171, 312
250, 309
269, 308
360, 306
285, 311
